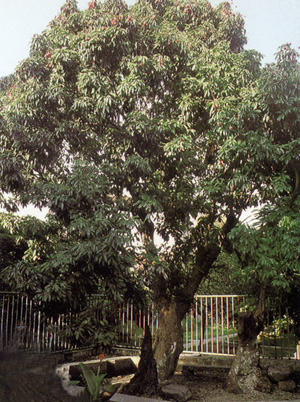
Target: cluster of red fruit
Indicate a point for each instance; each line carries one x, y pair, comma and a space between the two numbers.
287, 46
92, 4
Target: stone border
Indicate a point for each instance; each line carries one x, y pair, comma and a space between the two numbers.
63, 371
129, 398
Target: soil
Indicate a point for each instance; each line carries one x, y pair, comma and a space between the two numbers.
25, 378
209, 387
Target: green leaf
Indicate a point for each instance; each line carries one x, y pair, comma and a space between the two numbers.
93, 381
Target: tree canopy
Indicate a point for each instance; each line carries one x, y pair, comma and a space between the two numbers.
148, 98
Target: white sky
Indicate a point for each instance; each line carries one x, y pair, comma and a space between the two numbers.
269, 23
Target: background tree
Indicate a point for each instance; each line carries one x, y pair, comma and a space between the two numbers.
159, 102
269, 248
11, 251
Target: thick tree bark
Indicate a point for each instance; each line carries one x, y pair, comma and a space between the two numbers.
246, 374
145, 381
169, 339
173, 297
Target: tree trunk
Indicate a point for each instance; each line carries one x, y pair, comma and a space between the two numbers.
169, 338
145, 381
246, 374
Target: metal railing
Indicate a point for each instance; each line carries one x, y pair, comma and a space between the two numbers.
209, 328
24, 326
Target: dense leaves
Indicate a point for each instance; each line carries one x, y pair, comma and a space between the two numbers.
133, 112
270, 247
83, 245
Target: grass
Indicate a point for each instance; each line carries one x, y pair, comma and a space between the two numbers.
209, 331
268, 345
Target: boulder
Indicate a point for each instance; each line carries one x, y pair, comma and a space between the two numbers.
180, 393
124, 366
287, 385
279, 373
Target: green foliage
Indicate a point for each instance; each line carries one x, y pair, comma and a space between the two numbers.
94, 382
95, 325
269, 248
127, 117
228, 276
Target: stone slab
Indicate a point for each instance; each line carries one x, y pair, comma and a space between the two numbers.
129, 398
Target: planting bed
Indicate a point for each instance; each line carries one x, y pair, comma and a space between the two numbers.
117, 370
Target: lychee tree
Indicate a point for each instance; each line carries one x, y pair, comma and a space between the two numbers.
269, 247
159, 102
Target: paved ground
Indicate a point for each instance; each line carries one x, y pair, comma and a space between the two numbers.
27, 378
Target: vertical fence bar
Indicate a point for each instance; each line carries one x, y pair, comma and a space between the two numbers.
144, 318
148, 316
7, 321
227, 324
18, 328
275, 334
212, 324
217, 323
269, 338
119, 323
206, 323
140, 327
23, 328
59, 332
196, 323
25, 312
152, 318
233, 324
202, 324
12, 327
2, 323
288, 332
192, 330
127, 322
157, 323
43, 343
131, 324
123, 323
222, 323
186, 332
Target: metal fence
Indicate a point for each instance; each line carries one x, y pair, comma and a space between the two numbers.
209, 328
23, 326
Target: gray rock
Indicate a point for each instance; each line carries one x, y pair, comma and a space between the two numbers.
287, 385
180, 393
279, 373
124, 366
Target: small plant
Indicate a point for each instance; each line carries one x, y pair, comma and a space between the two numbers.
94, 382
